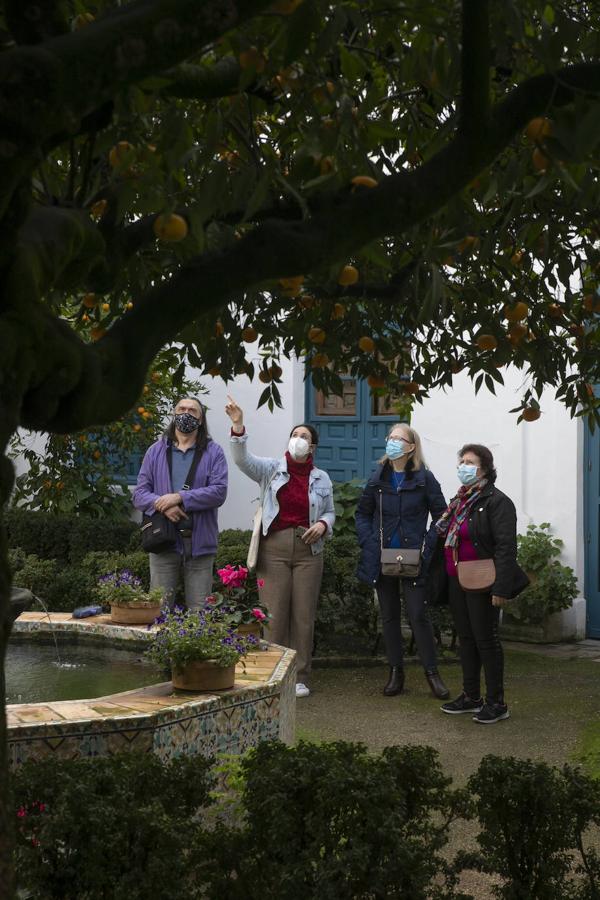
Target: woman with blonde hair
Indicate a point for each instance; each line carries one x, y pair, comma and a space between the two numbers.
393, 512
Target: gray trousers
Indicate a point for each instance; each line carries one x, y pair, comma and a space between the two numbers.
292, 575
388, 594
167, 569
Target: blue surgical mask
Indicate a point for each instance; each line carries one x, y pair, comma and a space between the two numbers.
394, 449
467, 474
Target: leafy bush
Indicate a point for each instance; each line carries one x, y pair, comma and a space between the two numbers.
122, 827
346, 495
232, 549
66, 538
334, 822
33, 573
99, 563
532, 817
553, 586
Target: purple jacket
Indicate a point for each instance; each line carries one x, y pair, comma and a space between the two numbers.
208, 492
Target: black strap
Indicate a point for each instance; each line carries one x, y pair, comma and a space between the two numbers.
187, 485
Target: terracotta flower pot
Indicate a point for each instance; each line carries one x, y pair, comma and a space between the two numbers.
203, 675
133, 614
252, 628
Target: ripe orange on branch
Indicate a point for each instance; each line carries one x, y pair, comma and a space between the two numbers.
376, 381
364, 181
531, 413
366, 344
319, 361
118, 153
338, 311
316, 335
516, 312
348, 275
486, 342
537, 129
410, 387
89, 300
171, 228
249, 334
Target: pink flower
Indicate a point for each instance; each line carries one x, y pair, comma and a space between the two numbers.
260, 582
258, 614
211, 599
21, 812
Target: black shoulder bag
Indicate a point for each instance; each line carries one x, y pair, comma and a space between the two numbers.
159, 534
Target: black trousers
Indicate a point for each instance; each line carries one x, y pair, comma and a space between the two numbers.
476, 622
388, 594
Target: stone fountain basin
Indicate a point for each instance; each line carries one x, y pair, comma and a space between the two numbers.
151, 719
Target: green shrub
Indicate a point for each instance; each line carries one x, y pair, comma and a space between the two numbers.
532, 818
98, 563
28, 571
122, 828
232, 548
334, 822
346, 495
553, 586
66, 538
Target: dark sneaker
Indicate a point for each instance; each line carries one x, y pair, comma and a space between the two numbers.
491, 712
462, 704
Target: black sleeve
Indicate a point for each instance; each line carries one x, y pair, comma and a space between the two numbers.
437, 505
503, 524
365, 511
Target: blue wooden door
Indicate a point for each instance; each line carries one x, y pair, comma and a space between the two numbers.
352, 429
592, 531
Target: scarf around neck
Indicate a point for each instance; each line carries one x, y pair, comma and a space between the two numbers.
458, 510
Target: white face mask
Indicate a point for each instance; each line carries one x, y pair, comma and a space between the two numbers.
298, 447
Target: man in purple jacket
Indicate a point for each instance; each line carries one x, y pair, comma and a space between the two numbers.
194, 511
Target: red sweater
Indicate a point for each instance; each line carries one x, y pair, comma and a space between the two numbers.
293, 496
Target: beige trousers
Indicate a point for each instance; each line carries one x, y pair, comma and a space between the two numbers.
292, 577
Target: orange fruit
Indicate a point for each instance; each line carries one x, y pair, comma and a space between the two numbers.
516, 333
338, 311
306, 301
555, 311
348, 275
410, 387
291, 282
540, 161
249, 334
85, 319
89, 300
316, 335
136, 427
118, 153
486, 342
96, 454
129, 305
219, 330
146, 389
60, 485
516, 312
155, 377
264, 376
456, 366
147, 415
364, 181
537, 129
141, 410
252, 58
517, 258
319, 361
106, 307
366, 344
215, 371
531, 413
171, 228
97, 332
275, 370
376, 381
98, 209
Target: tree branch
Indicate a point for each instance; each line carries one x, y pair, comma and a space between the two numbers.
203, 82
475, 67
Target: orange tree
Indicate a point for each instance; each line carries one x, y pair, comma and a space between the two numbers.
397, 188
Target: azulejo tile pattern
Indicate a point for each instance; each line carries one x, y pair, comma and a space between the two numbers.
261, 706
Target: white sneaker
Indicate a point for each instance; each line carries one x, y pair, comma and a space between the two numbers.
302, 690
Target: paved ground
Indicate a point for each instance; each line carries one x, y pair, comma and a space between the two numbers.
553, 692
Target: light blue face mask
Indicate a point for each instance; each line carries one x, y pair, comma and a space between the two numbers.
467, 474
394, 449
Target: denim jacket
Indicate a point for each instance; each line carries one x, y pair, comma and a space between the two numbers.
272, 474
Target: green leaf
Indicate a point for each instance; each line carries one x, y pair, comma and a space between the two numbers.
305, 22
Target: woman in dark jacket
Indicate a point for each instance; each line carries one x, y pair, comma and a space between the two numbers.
480, 523
400, 495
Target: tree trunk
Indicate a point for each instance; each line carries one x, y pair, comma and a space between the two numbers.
7, 883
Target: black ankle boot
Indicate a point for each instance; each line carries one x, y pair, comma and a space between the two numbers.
438, 688
395, 681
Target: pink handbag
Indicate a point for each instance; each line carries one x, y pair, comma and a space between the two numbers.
476, 574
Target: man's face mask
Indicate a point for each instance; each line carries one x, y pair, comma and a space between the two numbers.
186, 422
